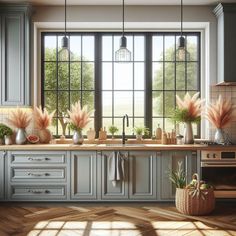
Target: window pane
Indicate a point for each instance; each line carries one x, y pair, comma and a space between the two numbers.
123, 76
139, 48
107, 103
169, 125
87, 76
75, 96
169, 76
157, 103
88, 48
180, 75
157, 51
75, 48
88, 99
123, 103
63, 102
50, 72
157, 76
192, 76
192, 47
106, 122
107, 48
63, 75
106, 76
138, 103
169, 48
139, 76
75, 75
50, 101
169, 100
139, 122
50, 51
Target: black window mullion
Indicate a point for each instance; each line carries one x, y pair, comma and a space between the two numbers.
148, 81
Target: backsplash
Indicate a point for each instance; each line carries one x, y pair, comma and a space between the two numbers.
229, 92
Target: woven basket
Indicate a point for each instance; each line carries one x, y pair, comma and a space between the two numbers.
201, 204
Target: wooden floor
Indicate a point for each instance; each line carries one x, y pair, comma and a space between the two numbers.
112, 220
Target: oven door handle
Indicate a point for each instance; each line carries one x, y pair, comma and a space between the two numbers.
217, 164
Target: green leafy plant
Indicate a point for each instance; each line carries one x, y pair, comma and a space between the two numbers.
178, 177
182, 115
73, 127
141, 130
5, 130
113, 129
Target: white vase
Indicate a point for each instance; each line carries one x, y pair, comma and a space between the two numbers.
21, 136
219, 136
188, 133
78, 137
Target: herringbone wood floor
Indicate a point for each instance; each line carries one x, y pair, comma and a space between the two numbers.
112, 220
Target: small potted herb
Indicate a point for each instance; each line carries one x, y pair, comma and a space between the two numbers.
5, 133
140, 131
112, 130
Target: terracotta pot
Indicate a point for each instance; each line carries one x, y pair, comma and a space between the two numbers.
45, 136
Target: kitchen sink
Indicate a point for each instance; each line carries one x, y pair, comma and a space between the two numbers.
123, 145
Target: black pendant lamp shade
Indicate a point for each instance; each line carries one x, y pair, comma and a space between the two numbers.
181, 53
123, 54
64, 52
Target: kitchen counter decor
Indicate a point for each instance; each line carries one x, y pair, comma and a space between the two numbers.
20, 119
220, 114
43, 120
79, 118
196, 198
188, 111
5, 134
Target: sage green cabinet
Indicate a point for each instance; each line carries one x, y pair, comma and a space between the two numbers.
2, 174
15, 55
169, 161
110, 191
142, 175
83, 175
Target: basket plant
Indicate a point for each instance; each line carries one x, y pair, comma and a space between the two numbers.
5, 131
140, 131
195, 198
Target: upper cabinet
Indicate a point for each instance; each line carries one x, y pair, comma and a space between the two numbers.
226, 38
15, 55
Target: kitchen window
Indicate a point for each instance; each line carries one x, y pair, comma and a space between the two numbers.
144, 88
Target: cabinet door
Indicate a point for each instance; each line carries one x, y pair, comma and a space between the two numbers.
142, 173
118, 190
2, 174
169, 161
83, 175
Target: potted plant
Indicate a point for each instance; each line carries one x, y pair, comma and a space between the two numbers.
42, 120
5, 134
78, 118
140, 131
188, 111
196, 198
20, 119
220, 114
112, 130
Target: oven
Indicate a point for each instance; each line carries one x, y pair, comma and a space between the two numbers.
219, 169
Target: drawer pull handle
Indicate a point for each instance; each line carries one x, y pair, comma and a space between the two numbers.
38, 175
38, 159
38, 191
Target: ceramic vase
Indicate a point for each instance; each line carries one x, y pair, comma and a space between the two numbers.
219, 136
8, 140
45, 136
139, 137
21, 136
188, 133
78, 137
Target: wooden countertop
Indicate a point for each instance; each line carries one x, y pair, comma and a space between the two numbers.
98, 147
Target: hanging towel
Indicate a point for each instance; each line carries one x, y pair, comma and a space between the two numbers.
116, 167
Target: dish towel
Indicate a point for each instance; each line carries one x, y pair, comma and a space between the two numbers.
116, 167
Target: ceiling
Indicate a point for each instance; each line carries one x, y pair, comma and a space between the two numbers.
119, 2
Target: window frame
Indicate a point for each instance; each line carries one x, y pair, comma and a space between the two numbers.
98, 72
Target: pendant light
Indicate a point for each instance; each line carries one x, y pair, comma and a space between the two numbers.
123, 54
181, 53
64, 52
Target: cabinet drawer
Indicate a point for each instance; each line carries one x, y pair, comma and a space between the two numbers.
42, 192
37, 158
19, 174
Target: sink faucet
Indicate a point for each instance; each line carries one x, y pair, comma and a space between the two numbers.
127, 125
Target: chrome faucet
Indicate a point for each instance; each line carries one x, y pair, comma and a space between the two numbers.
127, 125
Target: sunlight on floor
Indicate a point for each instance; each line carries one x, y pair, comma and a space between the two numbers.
121, 228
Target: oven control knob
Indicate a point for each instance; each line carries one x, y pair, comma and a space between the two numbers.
208, 155
214, 155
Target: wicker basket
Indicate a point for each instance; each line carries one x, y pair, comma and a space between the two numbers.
200, 204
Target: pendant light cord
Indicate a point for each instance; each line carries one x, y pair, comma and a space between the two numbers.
181, 14
65, 17
123, 18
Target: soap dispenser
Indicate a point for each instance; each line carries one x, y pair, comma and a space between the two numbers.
91, 135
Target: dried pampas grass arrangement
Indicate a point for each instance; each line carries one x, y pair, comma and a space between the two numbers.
42, 118
221, 113
19, 118
79, 117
